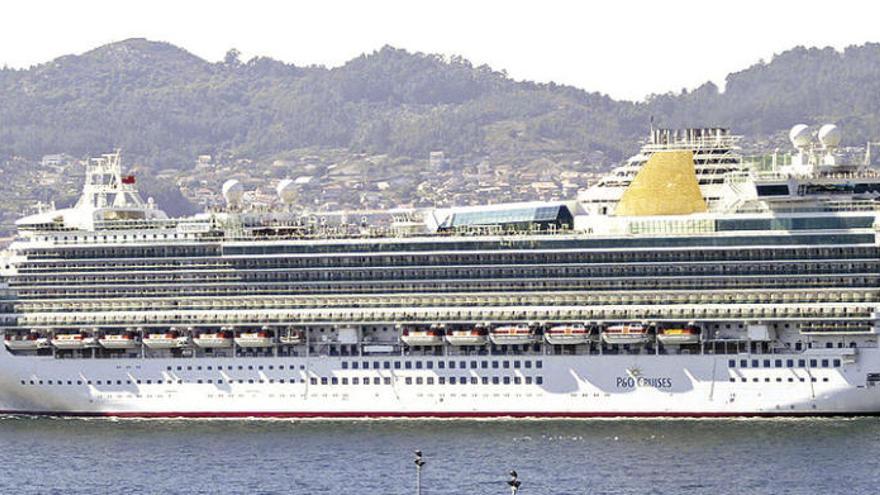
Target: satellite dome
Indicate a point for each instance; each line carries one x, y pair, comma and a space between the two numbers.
232, 191
286, 190
799, 135
829, 136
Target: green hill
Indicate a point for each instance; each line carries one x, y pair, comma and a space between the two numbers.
163, 105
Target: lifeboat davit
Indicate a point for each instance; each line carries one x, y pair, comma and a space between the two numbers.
71, 341
422, 337
292, 337
124, 340
27, 342
628, 333
567, 335
473, 336
511, 335
261, 338
679, 336
214, 340
165, 340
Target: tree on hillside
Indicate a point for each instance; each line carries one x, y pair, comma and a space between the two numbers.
232, 57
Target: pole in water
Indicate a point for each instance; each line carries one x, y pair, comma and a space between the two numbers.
514, 482
419, 463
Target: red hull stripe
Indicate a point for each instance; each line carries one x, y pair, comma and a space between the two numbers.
431, 415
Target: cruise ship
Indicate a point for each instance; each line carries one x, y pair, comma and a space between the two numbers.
692, 281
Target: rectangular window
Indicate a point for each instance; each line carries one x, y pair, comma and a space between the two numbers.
354, 365
824, 363
313, 381
507, 380
441, 364
418, 365
430, 380
344, 380
754, 363
517, 380
377, 381
485, 380
429, 365
408, 380
731, 363
473, 365
452, 380
743, 363
356, 381
528, 380
408, 365
473, 380
802, 363
766, 363
484, 364
539, 364
837, 363
441, 380
386, 365
397, 365
516, 364
494, 365
539, 380
452, 365
778, 363
528, 365
495, 380
789, 363
812, 363
323, 380
334, 381
506, 364
345, 365
375, 365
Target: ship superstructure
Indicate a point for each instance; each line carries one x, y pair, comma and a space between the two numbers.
716, 154
704, 285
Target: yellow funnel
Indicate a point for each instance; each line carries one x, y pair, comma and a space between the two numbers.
666, 185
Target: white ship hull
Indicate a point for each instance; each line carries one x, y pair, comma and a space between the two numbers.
571, 386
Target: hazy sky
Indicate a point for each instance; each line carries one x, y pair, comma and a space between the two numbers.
627, 49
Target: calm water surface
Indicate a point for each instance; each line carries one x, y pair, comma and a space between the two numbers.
755, 456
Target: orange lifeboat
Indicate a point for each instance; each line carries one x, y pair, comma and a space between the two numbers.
25, 342
627, 333
472, 336
679, 336
124, 340
165, 340
214, 340
567, 334
421, 337
512, 335
256, 339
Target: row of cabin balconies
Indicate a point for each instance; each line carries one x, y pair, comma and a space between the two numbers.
457, 314
443, 273
66, 267
480, 299
471, 260
242, 289
500, 257
695, 281
442, 256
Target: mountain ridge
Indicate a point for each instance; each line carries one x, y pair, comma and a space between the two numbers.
164, 105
